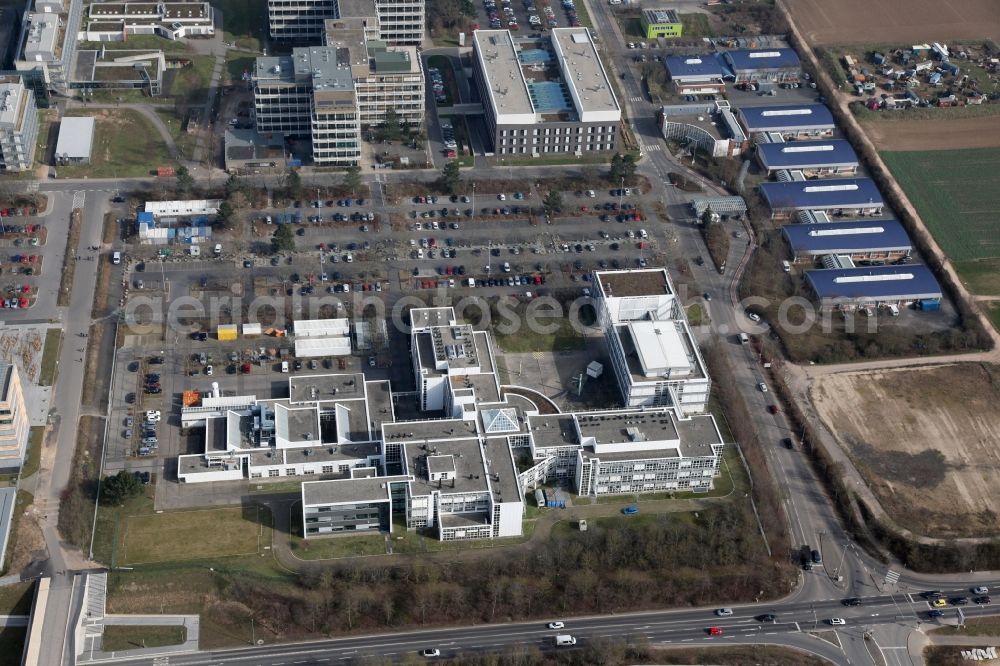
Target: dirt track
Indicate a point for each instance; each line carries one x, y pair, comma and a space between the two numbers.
943, 134
887, 21
924, 439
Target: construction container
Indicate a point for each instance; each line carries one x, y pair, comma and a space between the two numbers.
227, 332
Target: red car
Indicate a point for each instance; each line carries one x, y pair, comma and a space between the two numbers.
773, 409
715, 631
23, 302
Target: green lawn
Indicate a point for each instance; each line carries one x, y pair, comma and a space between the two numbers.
125, 145
993, 312
328, 548
244, 22
50, 355
696, 314
975, 626
236, 65
12, 645
185, 142
123, 637
31, 462
16, 599
191, 81
696, 25
137, 43
956, 194
193, 535
564, 338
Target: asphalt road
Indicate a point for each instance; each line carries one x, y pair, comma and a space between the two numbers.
661, 628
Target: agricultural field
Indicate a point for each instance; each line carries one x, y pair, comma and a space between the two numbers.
859, 21
924, 439
891, 131
955, 193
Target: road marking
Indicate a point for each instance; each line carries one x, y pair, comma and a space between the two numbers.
79, 199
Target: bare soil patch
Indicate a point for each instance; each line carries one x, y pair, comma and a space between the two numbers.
860, 21
925, 441
942, 134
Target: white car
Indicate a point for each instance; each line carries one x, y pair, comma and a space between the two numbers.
153, 416
556, 625
724, 612
591, 193
430, 652
753, 316
208, 370
838, 621
502, 197
763, 387
980, 590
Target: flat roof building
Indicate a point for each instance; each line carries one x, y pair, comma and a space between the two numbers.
76, 140
832, 156
708, 127
328, 93
545, 95
653, 353
836, 196
790, 120
776, 64
658, 23
695, 74
452, 470
114, 21
399, 22
18, 125
874, 285
248, 152
14, 425
48, 41
858, 239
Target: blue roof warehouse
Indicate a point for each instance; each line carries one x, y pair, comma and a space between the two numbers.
696, 74
778, 64
858, 239
838, 196
790, 120
833, 156
874, 285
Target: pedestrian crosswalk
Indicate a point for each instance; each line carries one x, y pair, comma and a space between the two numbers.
79, 198
651, 147
635, 99
891, 577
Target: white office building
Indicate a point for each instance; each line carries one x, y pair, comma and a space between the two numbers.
462, 468
400, 22
654, 356
18, 125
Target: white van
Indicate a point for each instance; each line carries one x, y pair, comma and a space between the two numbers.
744, 338
894, 310
218, 249
284, 366
785, 266
565, 639
116, 258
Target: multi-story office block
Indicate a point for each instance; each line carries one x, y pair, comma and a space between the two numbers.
310, 94
545, 95
653, 354
384, 77
299, 20
48, 41
14, 424
400, 22
328, 93
115, 21
18, 125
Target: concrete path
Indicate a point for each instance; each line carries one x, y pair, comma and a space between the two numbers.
94, 653
13, 620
